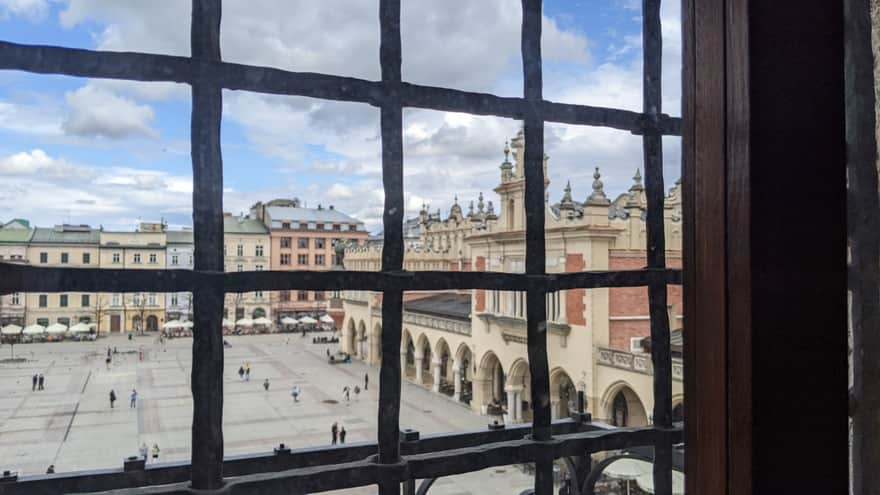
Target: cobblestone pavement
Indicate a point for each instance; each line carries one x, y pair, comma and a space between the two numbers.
70, 423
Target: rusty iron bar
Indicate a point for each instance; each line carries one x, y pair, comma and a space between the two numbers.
864, 243
169, 68
652, 145
24, 278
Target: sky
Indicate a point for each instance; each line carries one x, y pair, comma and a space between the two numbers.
113, 153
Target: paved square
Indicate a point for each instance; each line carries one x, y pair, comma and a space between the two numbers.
70, 423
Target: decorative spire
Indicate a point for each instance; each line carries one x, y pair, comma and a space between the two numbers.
490, 211
506, 166
480, 203
567, 202
471, 209
598, 197
506, 150
637, 181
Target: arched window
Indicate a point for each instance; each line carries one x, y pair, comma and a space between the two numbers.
619, 410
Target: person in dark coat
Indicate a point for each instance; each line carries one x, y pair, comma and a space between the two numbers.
40, 382
366, 381
266, 384
342, 435
112, 398
334, 430
51, 469
34, 383
241, 372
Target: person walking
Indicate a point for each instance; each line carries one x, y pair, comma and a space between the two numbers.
241, 372
357, 392
334, 430
295, 393
112, 398
107, 361
266, 384
34, 383
342, 435
40, 382
155, 452
134, 398
247, 372
366, 381
328, 351
347, 392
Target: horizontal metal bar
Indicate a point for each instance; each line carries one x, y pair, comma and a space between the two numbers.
240, 465
135, 66
29, 278
313, 479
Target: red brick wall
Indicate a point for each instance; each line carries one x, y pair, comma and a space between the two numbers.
633, 301
480, 304
574, 299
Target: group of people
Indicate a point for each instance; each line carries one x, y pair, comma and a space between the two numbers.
244, 373
132, 404
37, 382
338, 433
143, 451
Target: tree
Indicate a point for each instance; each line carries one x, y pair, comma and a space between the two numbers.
100, 309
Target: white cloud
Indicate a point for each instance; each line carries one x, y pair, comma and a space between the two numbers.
33, 10
93, 111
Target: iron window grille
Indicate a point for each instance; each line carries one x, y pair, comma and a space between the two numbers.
394, 459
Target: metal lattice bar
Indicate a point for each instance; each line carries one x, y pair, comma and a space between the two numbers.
20, 278
267, 80
652, 143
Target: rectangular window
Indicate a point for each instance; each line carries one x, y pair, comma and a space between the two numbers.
44, 300
302, 295
352, 227
64, 258
258, 268
258, 251
174, 260
285, 296
285, 258
258, 294
153, 258
62, 300
302, 242
136, 300
174, 299
336, 226
319, 259
240, 268
43, 322
320, 243
87, 258
285, 242
136, 258
239, 250
116, 258
115, 300
302, 259
44, 257
319, 295
16, 298
151, 299
84, 300
285, 225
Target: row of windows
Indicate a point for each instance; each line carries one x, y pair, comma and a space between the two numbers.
303, 242
85, 300
65, 258
514, 304
239, 250
63, 320
240, 268
63, 300
303, 259
175, 260
319, 226
302, 295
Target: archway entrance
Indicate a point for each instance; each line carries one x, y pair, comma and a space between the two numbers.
349, 338
137, 324
152, 323
408, 350
443, 379
465, 363
625, 409
563, 395
519, 393
490, 392
259, 313
423, 373
361, 341
376, 345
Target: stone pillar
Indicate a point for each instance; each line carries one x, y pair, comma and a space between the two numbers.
374, 350
456, 380
403, 364
479, 398
518, 406
418, 360
511, 405
554, 408
435, 387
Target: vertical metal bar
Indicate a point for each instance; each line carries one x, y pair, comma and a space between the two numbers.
536, 303
864, 241
392, 247
207, 363
652, 143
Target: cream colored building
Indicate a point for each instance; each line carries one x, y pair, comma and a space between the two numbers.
69, 246
471, 346
246, 248
14, 238
144, 249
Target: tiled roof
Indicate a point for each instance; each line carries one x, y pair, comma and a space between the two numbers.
15, 235
309, 215
450, 305
241, 225
179, 237
76, 234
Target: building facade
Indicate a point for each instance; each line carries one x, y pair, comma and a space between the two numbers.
246, 247
68, 246
14, 238
179, 253
471, 345
302, 239
144, 249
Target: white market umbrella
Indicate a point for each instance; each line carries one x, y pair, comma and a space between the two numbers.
187, 325
56, 329
327, 319
228, 323
646, 483
262, 321
628, 469
245, 322
10, 330
171, 325
288, 321
34, 330
80, 328
308, 320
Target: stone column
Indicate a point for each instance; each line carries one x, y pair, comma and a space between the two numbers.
403, 364
435, 387
418, 360
511, 405
554, 407
518, 406
374, 350
456, 380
